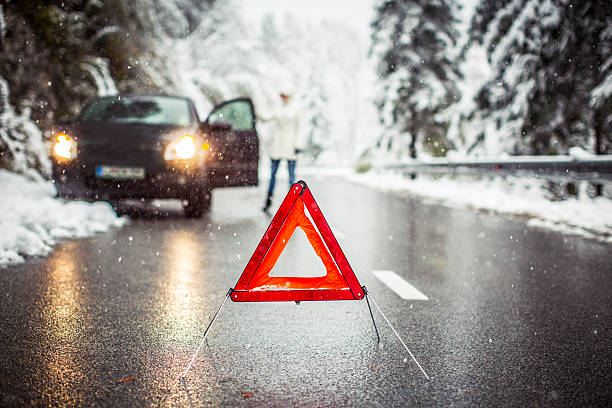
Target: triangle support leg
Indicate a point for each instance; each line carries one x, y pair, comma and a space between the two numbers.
365, 292
229, 292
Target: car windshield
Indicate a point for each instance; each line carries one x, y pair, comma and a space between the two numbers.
150, 110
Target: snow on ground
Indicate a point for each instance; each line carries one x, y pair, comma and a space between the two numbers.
32, 220
514, 196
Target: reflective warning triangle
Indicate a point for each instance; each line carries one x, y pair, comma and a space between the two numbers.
255, 283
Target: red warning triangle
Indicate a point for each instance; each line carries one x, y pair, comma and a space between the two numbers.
255, 283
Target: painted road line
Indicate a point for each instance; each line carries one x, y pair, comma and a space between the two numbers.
397, 284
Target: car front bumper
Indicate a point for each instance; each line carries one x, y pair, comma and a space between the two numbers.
81, 183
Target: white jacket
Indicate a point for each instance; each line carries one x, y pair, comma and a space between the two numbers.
285, 132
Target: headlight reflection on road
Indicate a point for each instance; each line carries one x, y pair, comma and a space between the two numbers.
64, 319
183, 262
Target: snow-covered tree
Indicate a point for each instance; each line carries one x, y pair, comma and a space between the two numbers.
548, 59
318, 123
412, 40
21, 143
601, 93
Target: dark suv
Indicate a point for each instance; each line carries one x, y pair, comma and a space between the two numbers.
152, 146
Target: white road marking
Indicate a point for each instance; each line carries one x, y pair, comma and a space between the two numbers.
397, 284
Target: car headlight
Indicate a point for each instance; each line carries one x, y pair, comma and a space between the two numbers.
182, 149
65, 147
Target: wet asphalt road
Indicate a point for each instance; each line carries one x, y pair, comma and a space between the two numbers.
515, 316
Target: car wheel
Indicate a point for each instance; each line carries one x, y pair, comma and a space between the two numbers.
198, 205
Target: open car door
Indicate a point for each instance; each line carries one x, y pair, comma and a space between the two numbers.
234, 153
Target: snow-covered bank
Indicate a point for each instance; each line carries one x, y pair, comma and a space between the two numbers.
32, 220
522, 197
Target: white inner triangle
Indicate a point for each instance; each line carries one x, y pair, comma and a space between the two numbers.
298, 259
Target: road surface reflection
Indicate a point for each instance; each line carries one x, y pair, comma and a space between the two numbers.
182, 265
64, 320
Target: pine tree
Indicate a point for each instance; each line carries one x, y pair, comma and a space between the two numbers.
412, 39
601, 92
548, 57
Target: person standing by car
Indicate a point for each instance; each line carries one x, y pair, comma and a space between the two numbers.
284, 140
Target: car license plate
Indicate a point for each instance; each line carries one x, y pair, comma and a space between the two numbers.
120, 173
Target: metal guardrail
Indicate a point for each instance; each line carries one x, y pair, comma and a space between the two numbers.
563, 168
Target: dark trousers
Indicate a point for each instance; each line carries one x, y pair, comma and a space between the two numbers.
274, 163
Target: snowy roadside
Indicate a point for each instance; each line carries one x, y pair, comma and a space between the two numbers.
588, 217
32, 220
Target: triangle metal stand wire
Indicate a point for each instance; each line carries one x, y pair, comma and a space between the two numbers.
229, 292
396, 334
